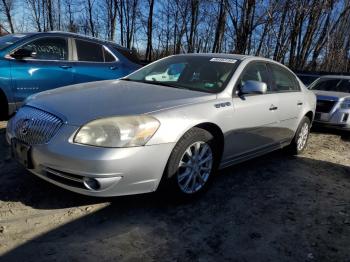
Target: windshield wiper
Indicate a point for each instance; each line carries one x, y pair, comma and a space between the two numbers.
158, 83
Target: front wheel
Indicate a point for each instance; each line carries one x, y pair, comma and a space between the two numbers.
191, 164
300, 139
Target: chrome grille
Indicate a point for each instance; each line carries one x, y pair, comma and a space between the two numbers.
34, 126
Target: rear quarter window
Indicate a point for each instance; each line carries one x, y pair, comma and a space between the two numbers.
88, 51
129, 54
283, 80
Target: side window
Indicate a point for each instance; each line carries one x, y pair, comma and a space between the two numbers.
89, 51
49, 48
284, 81
256, 72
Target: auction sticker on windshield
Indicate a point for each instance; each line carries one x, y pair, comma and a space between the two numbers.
223, 60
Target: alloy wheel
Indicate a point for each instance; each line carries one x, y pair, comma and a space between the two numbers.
303, 135
195, 167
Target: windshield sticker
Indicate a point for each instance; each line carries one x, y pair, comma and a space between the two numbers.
223, 60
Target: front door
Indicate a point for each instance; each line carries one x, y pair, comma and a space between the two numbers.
254, 116
49, 69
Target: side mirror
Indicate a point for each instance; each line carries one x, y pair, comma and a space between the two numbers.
22, 53
253, 87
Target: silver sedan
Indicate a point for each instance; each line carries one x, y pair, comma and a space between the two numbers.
169, 125
333, 101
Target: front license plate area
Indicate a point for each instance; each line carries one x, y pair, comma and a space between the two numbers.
322, 116
22, 153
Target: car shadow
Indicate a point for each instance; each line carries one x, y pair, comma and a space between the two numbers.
344, 134
273, 208
19, 185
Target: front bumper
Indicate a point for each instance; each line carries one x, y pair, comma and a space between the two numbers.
336, 118
119, 171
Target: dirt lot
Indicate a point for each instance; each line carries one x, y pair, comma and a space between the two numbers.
275, 208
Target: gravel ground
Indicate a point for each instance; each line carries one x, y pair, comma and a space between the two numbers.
274, 208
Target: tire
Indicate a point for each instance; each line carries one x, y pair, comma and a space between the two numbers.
299, 142
188, 173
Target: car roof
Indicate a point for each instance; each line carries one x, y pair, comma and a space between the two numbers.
75, 35
335, 77
218, 55
231, 56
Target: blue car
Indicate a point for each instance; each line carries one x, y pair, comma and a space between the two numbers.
35, 62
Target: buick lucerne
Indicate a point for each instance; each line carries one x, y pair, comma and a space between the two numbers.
333, 101
170, 124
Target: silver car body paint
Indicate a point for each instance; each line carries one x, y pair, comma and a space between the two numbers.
248, 126
335, 117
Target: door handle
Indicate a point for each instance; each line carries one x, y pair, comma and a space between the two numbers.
113, 67
273, 108
65, 66
300, 103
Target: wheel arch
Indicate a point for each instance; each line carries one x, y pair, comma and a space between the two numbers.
310, 115
217, 133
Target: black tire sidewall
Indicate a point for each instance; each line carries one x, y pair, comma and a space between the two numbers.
295, 140
169, 180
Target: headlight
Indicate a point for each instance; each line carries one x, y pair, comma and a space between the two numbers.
125, 131
345, 104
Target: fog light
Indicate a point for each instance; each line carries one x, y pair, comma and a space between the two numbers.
91, 183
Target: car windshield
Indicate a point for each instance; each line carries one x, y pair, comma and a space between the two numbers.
8, 40
336, 85
199, 73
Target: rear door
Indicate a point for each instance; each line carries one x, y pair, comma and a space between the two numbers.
254, 121
51, 67
95, 62
291, 100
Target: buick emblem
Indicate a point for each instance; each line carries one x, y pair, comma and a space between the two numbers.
24, 127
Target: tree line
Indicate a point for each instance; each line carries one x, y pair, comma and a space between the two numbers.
302, 34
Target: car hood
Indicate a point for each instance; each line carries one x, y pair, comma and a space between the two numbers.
331, 94
81, 103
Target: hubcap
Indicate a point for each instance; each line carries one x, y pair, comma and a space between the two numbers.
302, 138
195, 167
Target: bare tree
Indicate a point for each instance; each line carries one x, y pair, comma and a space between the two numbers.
194, 24
7, 8
129, 12
35, 7
90, 6
50, 14
149, 31
220, 27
